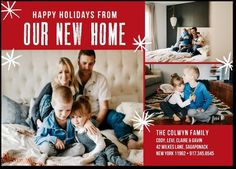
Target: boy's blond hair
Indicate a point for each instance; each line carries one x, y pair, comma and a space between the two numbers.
194, 71
63, 94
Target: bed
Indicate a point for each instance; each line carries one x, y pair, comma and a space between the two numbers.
22, 83
168, 55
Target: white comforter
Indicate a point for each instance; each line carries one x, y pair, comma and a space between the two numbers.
18, 148
167, 55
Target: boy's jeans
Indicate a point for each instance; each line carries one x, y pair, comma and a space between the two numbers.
203, 116
73, 150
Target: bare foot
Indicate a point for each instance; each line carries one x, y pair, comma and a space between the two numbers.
110, 164
187, 120
176, 118
132, 144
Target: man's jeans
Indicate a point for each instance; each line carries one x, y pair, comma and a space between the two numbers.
114, 120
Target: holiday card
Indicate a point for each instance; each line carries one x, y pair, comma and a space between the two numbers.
95, 83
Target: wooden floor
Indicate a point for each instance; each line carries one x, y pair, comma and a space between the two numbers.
227, 121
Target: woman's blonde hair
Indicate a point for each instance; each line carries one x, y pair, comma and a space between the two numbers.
73, 85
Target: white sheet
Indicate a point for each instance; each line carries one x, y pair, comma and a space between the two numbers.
18, 148
167, 55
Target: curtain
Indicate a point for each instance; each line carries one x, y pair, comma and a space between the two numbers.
150, 28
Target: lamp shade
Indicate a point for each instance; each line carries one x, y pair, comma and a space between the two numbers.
173, 21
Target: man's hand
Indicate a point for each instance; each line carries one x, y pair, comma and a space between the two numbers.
102, 112
59, 144
90, 127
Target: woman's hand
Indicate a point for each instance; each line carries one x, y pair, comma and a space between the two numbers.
90, 127
87, 158
39, 123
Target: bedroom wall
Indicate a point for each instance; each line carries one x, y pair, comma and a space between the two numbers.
221, 22
189, 15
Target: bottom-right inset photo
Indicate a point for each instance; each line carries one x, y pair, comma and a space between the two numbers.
194, 94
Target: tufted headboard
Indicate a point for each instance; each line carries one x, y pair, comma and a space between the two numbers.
123, 69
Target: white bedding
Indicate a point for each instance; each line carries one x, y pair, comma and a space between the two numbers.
18, 148
167, 55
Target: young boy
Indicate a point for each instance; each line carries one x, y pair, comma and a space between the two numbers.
185, 41
201, 109
56, 135
97, 147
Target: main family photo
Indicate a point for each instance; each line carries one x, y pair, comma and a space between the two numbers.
76, 106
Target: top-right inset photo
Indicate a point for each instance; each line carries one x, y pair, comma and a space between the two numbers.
188, 31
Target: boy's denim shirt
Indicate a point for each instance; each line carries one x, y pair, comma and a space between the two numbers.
50, 131
203, 98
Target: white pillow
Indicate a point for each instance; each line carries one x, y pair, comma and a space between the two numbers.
130, 109
28, 120
136, 156
167, 88
204, 50
13, 112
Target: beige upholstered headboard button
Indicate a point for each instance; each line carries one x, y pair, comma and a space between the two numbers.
122, 68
